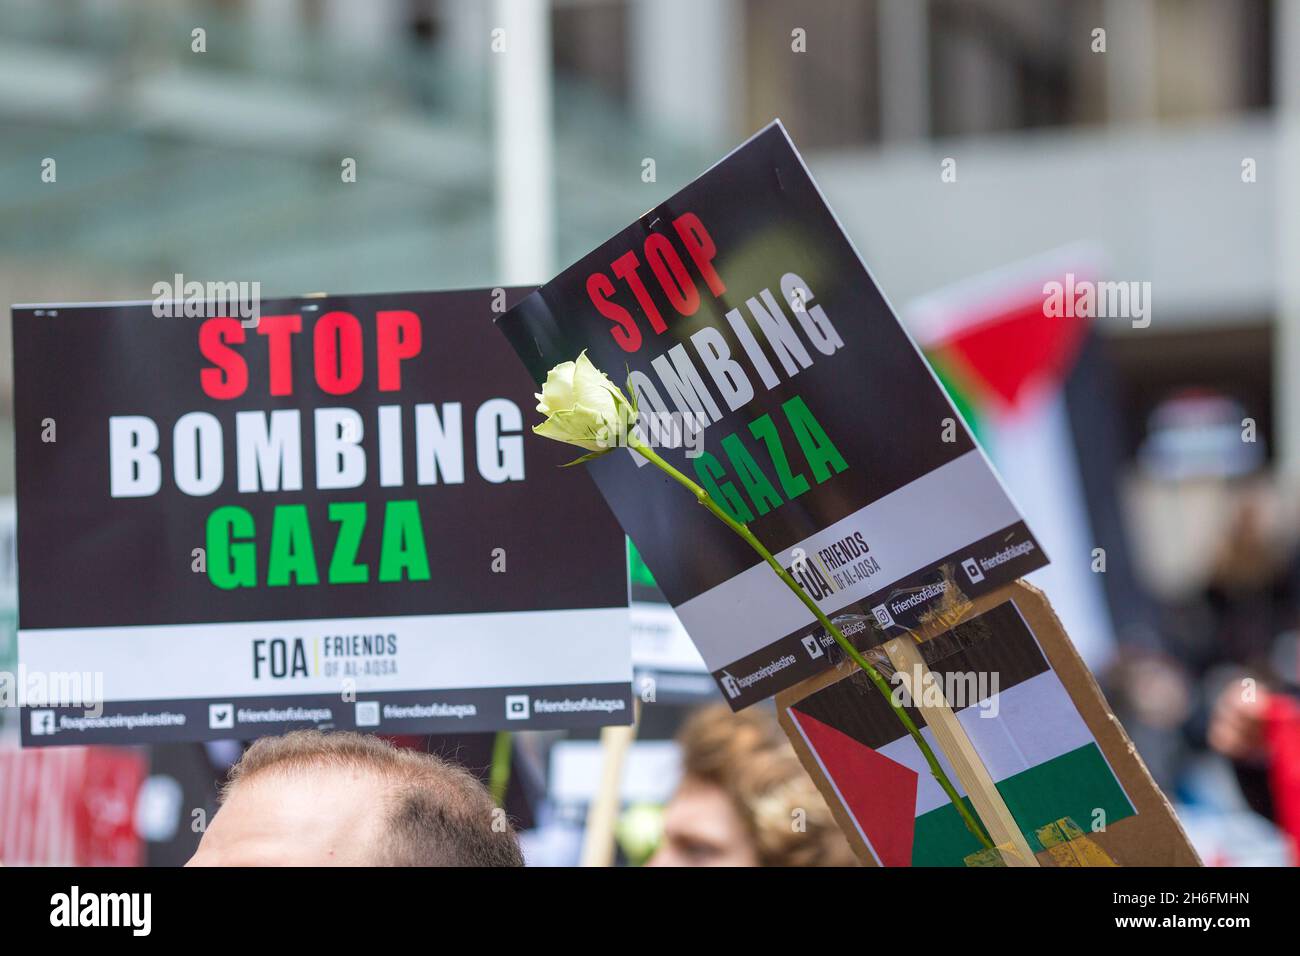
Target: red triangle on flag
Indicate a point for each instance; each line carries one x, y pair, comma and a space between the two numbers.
1015, 353
878, 792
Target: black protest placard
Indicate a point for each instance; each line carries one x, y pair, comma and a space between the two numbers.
331, 515
756, 339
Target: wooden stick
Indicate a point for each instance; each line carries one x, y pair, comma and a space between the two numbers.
951, 738
602, 815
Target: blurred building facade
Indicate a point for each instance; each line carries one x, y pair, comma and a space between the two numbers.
220, 157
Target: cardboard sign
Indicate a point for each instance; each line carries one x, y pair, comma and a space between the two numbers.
1075, 787
748, 322
336, 517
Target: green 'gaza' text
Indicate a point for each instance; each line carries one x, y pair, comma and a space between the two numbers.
291, 556
820, 454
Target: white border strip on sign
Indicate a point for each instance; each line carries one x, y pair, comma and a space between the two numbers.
939, 513
443, 651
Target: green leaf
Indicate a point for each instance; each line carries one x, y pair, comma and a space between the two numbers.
631, 392
587, 457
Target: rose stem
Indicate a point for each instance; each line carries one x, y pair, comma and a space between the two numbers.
702, 496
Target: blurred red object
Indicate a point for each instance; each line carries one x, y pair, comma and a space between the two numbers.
1282, 730
70, 806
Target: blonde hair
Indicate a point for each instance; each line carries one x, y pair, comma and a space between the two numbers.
437, 814
748, 757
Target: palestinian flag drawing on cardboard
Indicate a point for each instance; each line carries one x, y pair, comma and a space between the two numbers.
1036, 720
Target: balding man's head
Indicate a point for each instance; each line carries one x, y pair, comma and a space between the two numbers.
343, 799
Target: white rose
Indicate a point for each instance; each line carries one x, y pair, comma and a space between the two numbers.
583, 407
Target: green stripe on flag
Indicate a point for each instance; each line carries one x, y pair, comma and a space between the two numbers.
1075, 784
